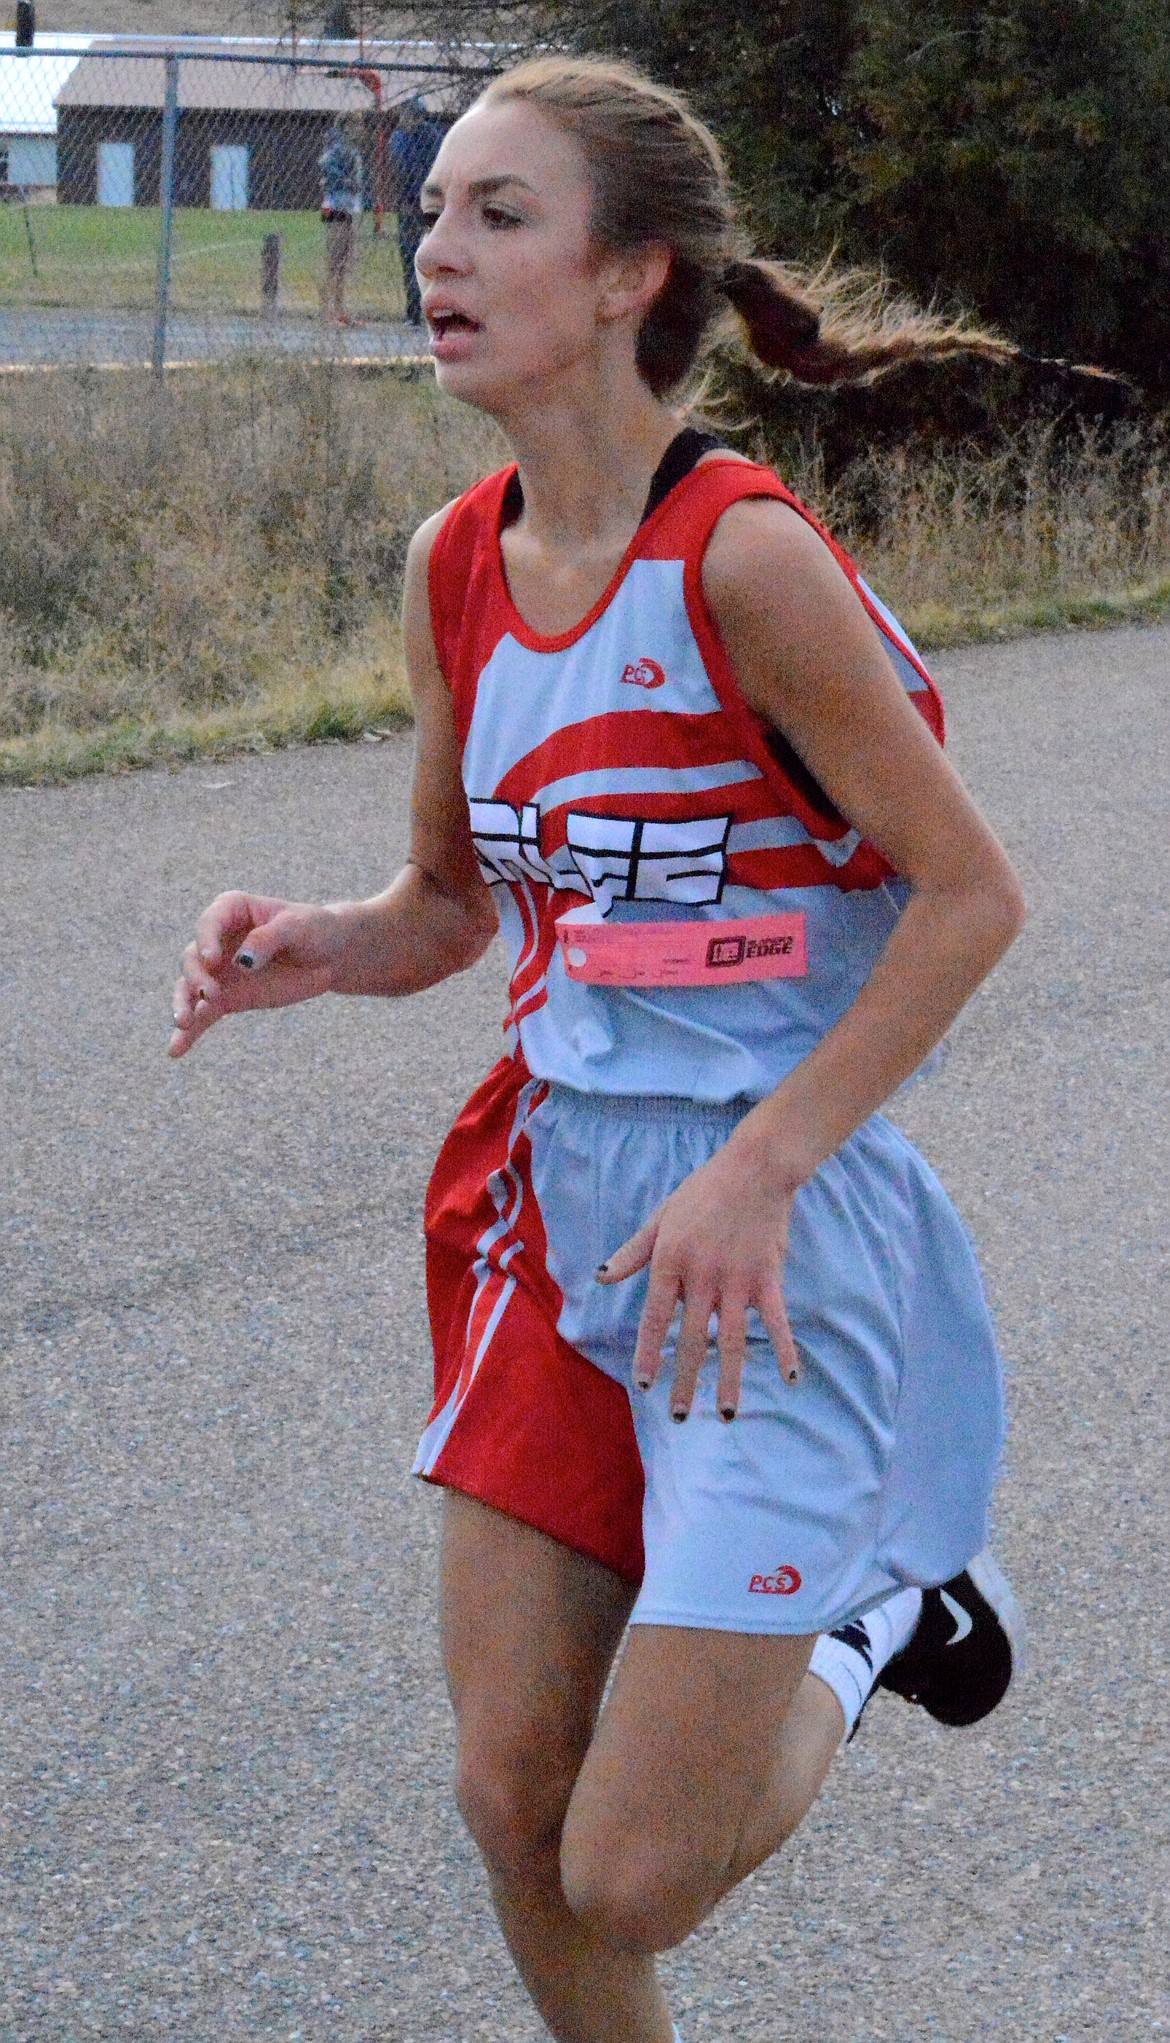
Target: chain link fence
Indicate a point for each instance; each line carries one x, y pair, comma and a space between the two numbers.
162, 201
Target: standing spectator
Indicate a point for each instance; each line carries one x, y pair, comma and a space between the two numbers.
414, 146
340, 164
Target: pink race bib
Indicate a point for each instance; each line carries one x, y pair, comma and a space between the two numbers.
681, 953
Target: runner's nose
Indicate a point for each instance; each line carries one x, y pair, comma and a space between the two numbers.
439, 253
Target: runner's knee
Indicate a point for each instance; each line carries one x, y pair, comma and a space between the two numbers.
637, 1894
512, 1797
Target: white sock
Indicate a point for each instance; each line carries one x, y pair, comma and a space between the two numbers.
849, 1660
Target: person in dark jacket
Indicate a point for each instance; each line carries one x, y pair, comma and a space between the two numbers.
414, 146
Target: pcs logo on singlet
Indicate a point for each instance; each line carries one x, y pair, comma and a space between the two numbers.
611, 858
644, 673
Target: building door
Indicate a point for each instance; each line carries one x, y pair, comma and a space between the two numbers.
115, 174
229, 177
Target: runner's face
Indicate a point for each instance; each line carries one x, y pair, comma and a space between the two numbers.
512, 289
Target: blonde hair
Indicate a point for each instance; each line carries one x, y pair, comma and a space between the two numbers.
658, 176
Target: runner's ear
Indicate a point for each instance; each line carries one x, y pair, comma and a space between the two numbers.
636, 278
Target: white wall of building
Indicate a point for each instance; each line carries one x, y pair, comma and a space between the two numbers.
29, 84
31, 159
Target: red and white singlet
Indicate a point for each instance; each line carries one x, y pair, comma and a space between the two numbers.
617, 764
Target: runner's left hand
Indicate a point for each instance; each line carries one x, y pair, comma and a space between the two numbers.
719, 1244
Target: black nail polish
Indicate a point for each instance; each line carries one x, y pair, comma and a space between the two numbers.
603, 1269
641, 1383
245, 959
727, 1413
678, 1417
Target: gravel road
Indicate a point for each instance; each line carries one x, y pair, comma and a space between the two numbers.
225, 1747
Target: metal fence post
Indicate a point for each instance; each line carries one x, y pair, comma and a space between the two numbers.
166, 179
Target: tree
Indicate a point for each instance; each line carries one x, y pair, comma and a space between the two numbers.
1020, 152
769, 75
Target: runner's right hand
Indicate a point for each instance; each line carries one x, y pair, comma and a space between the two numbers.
250, 951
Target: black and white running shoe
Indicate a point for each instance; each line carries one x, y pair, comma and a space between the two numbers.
966, 1646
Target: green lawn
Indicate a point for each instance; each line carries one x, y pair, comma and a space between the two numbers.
98, 258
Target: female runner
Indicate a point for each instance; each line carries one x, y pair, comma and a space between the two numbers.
711, 1348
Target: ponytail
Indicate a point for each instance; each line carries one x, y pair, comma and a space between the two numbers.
846, 326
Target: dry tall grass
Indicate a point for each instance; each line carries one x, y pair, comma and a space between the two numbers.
1042, 530
225, 566
230, 556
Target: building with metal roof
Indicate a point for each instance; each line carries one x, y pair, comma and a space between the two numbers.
252, 116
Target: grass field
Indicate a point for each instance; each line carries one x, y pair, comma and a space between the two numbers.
103, 258
219, 566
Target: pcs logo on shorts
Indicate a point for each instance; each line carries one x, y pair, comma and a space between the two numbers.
785, 1582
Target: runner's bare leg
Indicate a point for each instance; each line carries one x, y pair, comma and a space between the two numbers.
650, 1821
529, 1634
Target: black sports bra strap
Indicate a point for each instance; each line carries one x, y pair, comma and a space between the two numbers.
685, 451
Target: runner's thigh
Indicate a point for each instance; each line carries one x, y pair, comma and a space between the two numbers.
529, 1632
684, 1753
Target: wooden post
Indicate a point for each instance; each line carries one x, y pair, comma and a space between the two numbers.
270, 275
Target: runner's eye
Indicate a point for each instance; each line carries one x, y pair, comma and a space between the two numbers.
499, 216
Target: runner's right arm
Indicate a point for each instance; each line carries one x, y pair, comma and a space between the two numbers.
253, 951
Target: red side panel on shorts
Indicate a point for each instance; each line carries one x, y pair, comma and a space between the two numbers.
520, 1420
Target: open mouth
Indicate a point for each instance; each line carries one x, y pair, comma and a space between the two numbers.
444, 323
